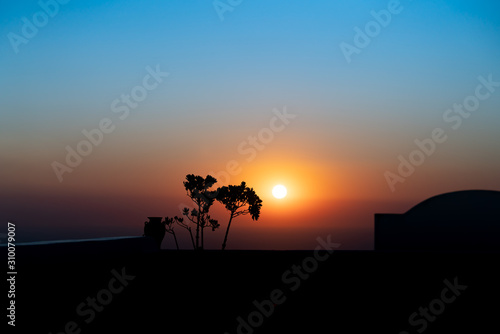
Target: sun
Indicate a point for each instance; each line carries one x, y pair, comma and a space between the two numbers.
279, 191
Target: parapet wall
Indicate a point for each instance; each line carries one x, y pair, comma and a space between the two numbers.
84, 248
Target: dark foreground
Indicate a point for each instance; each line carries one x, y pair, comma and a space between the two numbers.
259, 292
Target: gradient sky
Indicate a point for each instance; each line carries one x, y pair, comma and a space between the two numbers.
225, 79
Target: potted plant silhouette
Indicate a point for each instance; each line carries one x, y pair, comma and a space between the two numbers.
155, 228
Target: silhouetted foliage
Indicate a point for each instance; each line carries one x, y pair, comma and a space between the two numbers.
181, 223
169, 227
197, 189
239, 200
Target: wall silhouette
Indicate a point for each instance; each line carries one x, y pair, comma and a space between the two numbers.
463, 220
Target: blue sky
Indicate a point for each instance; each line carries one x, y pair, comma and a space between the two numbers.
292, 47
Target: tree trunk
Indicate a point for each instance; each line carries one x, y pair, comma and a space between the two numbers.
227, 231
198, 228
202, 234
175, 238
192, 239
202, 237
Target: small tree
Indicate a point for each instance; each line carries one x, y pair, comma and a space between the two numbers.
169, 227
239, 200
197, 189
180, 221
206, 221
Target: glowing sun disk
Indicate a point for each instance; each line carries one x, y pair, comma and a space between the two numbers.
279, 191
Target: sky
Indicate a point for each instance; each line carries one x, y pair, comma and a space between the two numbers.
357, 107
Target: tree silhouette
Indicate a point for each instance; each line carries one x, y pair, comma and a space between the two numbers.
197, 189
169, 227
180, 221
239, 200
